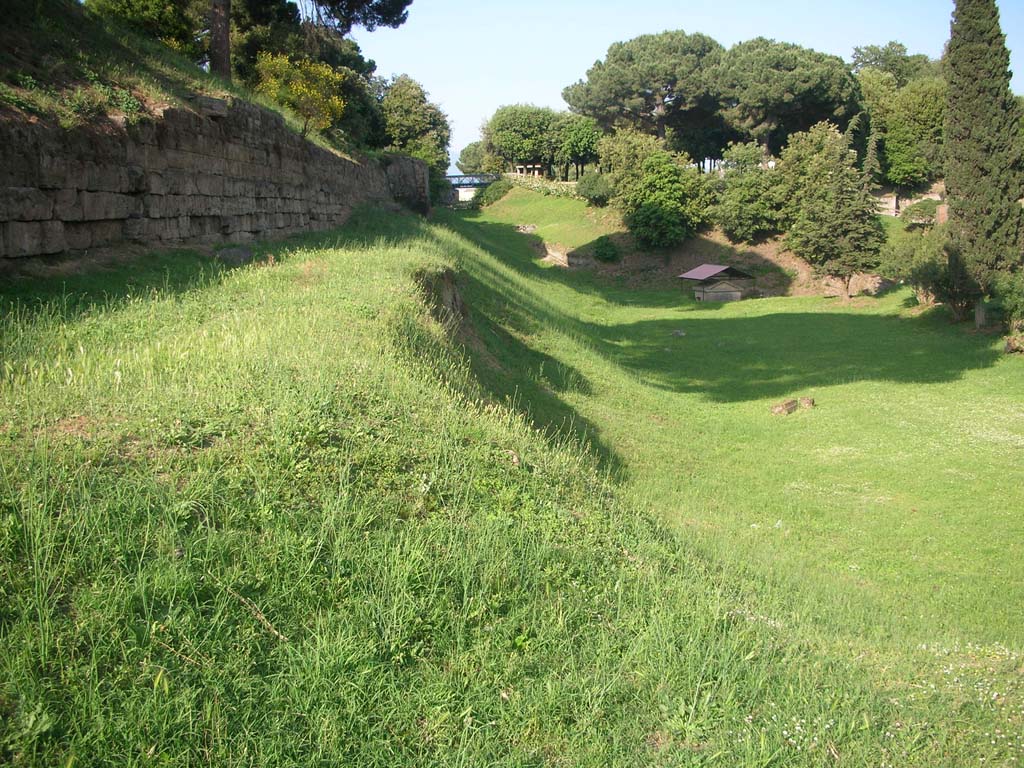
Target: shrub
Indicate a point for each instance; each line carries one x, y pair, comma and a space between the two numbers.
310, 88
544, 186
923, 262
667, 204
492, 193
922, 213
595, 188
623, 154
1009, 292
748, 206
441, 190
605, 249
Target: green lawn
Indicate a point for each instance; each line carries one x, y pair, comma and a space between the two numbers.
284, 515
902, 487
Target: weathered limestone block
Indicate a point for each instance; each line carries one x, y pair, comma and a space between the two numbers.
31, 238
207, 106
66, 205
108, 205
24, 204
209, 184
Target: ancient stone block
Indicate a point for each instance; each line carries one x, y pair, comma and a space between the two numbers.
66, 205
24, 204
208, 184
209, 107
33, 238
108, 205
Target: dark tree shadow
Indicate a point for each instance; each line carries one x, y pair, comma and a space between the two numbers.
727, 358
523, 252
730, 359
528, 380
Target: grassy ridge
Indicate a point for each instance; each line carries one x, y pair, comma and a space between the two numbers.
275, 516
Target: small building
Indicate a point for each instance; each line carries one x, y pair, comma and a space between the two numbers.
715, 282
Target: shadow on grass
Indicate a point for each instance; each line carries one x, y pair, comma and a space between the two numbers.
722, 356
72, 286
731, 359
523, 251
530, 381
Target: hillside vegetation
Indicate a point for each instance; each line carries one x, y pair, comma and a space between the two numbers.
277, 515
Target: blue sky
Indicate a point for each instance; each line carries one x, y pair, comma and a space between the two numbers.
472, 57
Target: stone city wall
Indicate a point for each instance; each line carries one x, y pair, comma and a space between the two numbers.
221, 173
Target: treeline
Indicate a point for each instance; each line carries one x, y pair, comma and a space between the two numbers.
698, 98
802, 140
301, 58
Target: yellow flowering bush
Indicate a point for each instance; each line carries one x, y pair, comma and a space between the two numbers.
312, 89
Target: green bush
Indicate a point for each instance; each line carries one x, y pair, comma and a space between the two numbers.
748, 205
492, 193
667, 204
595, 188
605, 249
923, 261
922, 213
312, 89
1009, 293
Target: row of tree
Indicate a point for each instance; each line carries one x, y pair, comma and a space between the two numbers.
837, 131
698, 98
300, 57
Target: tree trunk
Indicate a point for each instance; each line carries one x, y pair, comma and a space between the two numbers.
979, 313
220, 38
896, 201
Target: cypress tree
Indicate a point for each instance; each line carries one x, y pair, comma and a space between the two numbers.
872, 165
984, 177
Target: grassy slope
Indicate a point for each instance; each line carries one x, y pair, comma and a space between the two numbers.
889, 514
270, 516
60, 63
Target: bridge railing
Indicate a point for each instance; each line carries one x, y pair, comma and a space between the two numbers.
473, 179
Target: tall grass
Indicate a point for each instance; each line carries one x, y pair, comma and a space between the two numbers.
274, 515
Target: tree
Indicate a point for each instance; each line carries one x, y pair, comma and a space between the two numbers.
983, 151
770, 90
669, 202
475, 158
893, 59
575, 140
872, 165
655, 84
622, 153
174, 23
878, 92
748, 207
520, 134
220, 38
831, 215
913, 138
343, 15
309, 88
414, 125
471, 158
